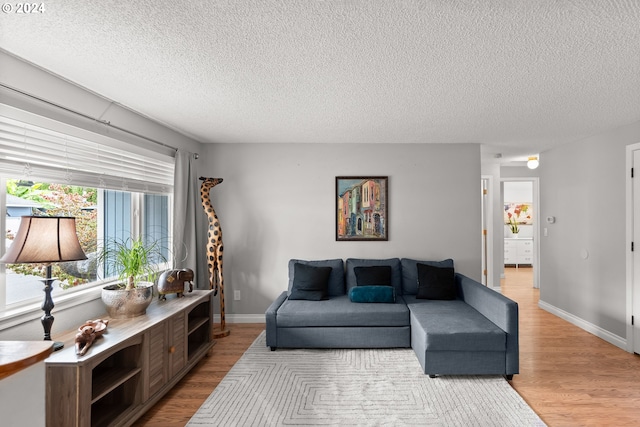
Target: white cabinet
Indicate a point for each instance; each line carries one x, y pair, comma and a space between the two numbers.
518, 251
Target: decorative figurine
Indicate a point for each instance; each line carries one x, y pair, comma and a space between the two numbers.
215, 248
87, 333
173, 282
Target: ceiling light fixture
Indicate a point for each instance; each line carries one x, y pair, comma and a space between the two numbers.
533, 162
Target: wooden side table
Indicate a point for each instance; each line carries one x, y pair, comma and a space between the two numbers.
22, 379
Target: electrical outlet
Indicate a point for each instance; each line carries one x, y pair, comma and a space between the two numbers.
236, 295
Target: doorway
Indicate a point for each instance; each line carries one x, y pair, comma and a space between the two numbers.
521, 225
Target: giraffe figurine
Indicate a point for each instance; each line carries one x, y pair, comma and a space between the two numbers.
214, 249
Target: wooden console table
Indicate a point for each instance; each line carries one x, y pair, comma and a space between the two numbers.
134, 363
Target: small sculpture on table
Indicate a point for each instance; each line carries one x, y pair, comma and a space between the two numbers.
87, 333
173, 282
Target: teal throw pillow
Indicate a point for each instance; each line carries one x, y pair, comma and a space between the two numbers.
375, 293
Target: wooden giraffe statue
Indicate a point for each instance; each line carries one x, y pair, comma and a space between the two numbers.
214, 249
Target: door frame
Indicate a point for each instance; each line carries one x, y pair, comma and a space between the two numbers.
536, 224
629, 239
487, 219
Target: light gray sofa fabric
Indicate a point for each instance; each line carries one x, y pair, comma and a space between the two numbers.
271, 320
455, 326
340, 311
491, 349
344, 337
500, 310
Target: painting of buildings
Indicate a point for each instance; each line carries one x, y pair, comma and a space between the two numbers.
361, 208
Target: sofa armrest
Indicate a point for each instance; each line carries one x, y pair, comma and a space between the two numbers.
502, 311
271, 319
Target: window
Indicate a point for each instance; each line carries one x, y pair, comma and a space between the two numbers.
115, 191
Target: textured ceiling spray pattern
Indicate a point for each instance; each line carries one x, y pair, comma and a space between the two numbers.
525, 74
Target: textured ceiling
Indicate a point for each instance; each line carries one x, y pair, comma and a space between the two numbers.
518, 76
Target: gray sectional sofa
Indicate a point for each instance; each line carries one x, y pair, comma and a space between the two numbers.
474, 333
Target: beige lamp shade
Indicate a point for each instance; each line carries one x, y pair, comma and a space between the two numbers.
44, 240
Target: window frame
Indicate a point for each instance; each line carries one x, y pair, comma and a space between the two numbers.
21, 312
29, 310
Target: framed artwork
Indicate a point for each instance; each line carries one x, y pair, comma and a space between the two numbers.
518, 213
362, 208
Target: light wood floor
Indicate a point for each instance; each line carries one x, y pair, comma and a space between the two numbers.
568, 376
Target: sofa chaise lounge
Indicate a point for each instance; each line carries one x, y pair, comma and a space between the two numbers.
473, 331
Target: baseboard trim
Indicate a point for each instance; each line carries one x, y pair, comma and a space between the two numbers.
584, 325
240, 318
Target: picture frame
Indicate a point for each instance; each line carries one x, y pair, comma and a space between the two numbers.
362, 208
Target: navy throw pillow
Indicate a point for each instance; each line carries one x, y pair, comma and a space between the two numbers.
310, 283
436, 282
377, 275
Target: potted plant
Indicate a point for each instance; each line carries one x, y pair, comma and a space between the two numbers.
513, 225
135, 262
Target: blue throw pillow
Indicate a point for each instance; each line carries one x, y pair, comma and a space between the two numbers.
375, 293
374, 275
436, 282
310, 283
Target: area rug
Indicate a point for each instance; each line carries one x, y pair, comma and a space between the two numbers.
377, 387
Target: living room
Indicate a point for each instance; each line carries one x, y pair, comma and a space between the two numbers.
277, 199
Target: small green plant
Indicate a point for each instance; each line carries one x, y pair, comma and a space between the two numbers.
133, 260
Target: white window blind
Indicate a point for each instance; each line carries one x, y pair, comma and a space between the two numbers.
32, 152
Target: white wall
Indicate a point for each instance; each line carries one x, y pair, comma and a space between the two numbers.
582, 263
518, 192
277, 202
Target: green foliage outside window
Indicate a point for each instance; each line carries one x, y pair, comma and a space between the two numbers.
62, 200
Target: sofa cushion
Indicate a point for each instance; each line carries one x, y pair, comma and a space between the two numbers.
394, 263
436, 282
336, 278
375, 275
310, 282
454, 326
410, 273
340, 311
372, 294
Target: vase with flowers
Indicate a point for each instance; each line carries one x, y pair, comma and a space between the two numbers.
513, 225
513, 218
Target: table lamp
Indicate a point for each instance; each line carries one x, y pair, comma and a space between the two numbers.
45, 240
